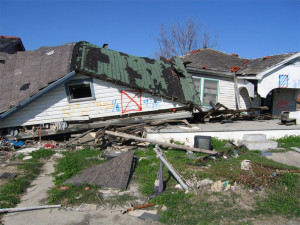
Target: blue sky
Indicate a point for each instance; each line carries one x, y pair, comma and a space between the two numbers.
249, 28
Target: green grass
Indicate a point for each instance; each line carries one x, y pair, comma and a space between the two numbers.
10, 192
282, 193
74, 195
284, 197
289, 141
71, 164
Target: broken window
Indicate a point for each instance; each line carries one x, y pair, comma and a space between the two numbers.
80, 90
197, 82
210, 91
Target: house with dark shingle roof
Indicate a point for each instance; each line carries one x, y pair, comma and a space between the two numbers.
11, 44
238, 82
83, 82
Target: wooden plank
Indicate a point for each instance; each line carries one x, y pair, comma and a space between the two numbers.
113, 122
188, 148
69, 142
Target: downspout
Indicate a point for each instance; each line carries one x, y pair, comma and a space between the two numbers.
234, 69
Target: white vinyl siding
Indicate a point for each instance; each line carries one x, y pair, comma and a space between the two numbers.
226, 94
109, 101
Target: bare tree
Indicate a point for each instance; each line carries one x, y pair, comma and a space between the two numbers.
179, 39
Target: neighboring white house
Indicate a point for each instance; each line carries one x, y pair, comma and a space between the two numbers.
240, 83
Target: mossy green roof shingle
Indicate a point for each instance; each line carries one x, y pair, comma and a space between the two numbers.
158, 77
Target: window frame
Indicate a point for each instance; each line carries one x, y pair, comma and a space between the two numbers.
78, 82
201, 88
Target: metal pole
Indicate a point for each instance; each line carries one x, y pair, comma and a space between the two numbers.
28, 208
159, 154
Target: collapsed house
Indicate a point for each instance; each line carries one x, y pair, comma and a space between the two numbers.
79, 86
239, 83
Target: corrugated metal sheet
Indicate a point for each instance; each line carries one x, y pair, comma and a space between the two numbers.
163, 78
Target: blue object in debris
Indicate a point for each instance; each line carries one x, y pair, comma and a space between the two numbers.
19, 143
273, 174
225, 183
265, 153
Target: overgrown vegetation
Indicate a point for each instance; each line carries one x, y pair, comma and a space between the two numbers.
280, 195
10, 192
71, 164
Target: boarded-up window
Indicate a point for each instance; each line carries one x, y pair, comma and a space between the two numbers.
210, 91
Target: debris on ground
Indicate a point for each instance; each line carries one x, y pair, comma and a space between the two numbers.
217, 186
246, 165
114, 173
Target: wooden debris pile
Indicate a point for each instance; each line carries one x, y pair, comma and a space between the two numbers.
219, 113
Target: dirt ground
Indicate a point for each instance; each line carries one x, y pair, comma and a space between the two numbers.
85, 214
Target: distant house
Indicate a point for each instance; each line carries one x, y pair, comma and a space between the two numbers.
81, 82
11, 44
243, 83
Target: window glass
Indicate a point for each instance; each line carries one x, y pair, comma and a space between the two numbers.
197, 83
210, 92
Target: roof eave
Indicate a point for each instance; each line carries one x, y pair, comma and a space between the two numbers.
209, 72
47, 89
262, 73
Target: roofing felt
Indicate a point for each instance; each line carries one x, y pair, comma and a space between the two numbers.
114, 173
255, 66
23, 74
159, 77
10, 44
213, 60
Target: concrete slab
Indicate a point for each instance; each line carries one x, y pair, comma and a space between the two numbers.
289, 158
260, 145
255, 137
234, 131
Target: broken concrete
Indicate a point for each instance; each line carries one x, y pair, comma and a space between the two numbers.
289, 158
258, 142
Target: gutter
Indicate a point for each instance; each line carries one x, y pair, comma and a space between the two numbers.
209, 72
37, 95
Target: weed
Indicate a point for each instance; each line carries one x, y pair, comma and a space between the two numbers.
10, 192
42, 153
284, 197
289, 141
74, 195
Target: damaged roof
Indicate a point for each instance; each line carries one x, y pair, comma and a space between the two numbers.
159, 77
211, 59
214, 60
24, 74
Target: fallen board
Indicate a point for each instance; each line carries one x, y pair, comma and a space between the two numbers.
132, 137
114, 173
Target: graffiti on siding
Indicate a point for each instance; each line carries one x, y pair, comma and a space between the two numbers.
131, 101
283, 105
283, 81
